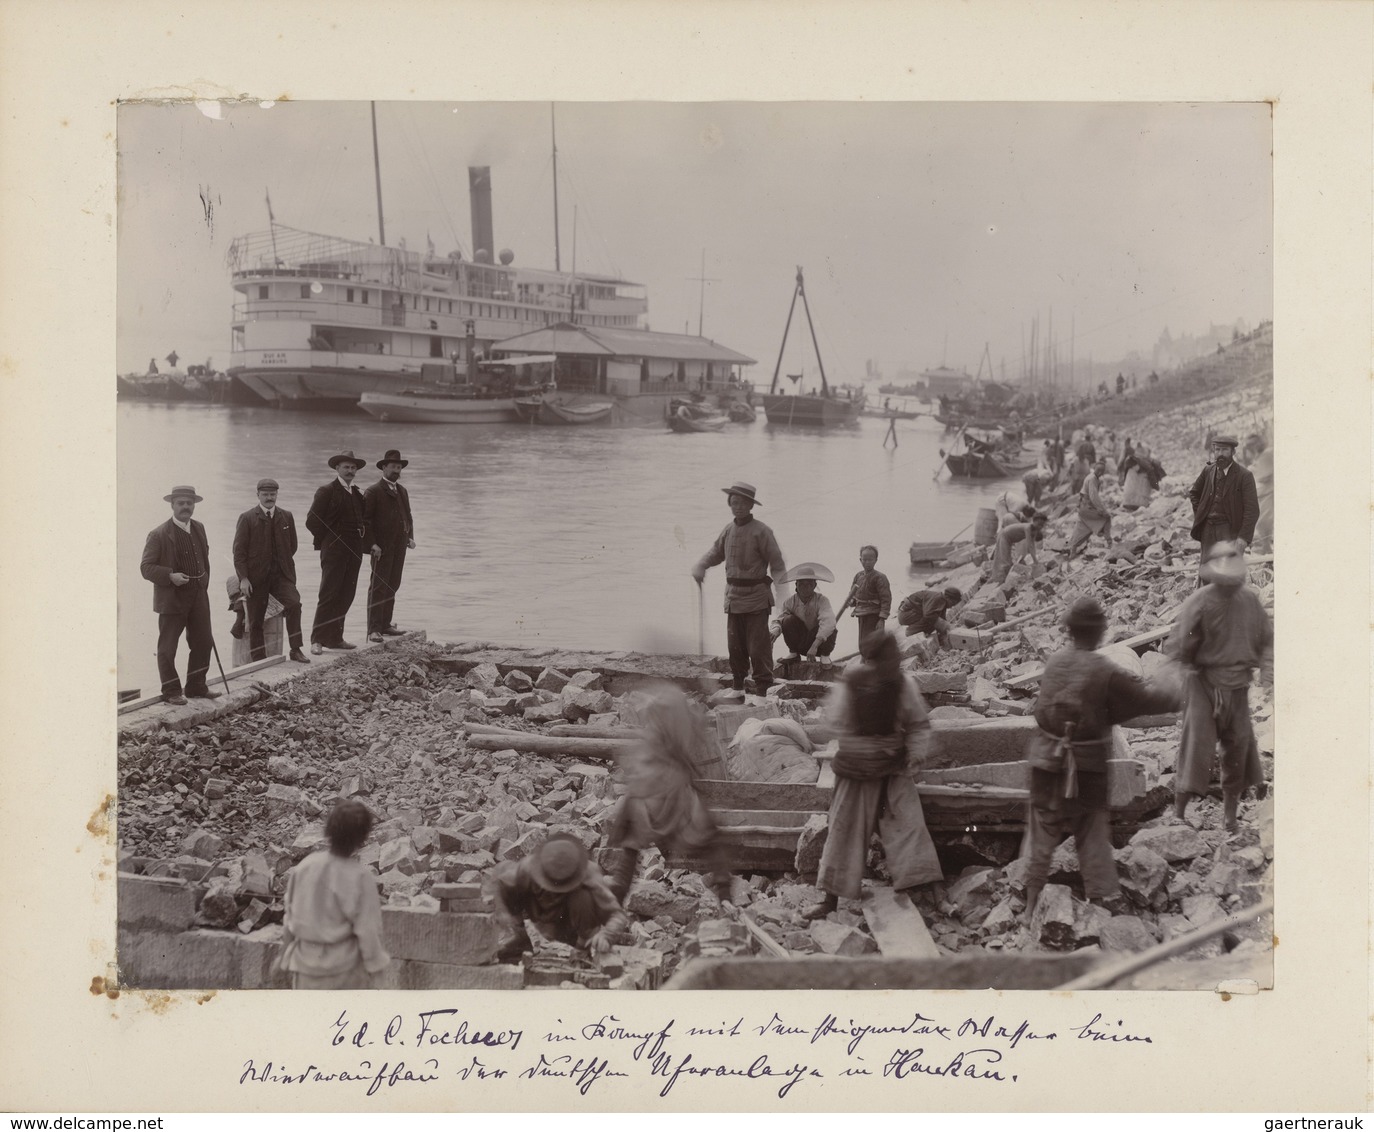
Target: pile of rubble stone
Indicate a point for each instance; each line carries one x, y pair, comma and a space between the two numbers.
234, 802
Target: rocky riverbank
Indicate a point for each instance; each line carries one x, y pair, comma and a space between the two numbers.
232, 802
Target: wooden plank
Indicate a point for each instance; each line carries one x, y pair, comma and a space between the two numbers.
232, 674
897, 926
586, 731
732, 795
1183, 568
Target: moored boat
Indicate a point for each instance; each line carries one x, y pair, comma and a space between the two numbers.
554, 410
438, 407
928, 553
686, 417
823, 408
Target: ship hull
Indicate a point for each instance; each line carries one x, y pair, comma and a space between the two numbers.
436, 409
789, 409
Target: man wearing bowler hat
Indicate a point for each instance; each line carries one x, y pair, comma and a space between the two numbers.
1225, 503
750, 553
264, 559
337, 522
386, 510
176, 559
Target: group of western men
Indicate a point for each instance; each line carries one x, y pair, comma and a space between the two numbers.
346, 523
875, 712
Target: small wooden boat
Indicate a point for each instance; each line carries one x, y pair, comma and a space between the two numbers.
741, 412
553, 411
824, 408
927, 553
695, 418
438, 407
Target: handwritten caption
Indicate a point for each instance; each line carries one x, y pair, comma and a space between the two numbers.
446, 1044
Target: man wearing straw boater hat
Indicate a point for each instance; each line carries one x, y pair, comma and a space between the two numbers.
806, 620
386, 509
750, 553
337, 522
176, 559
264, 559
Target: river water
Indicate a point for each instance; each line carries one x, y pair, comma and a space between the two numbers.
578, 537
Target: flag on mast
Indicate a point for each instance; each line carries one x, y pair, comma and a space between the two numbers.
270, 218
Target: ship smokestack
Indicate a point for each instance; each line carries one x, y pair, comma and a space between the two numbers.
479, 192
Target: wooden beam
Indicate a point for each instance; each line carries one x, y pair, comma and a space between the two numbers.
232, 674
1033, 677
548, 744
898, 927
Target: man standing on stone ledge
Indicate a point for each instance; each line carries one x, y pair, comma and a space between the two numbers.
1225, 503
336, 521
176, 559
386, 510
750, 553
264, 559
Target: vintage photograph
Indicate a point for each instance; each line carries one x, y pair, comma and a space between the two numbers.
704, 545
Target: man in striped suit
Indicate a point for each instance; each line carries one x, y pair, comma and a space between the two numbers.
176, 559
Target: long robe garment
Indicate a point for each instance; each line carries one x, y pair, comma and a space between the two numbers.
889, 805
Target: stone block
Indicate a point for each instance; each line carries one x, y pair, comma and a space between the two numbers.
282, 800
394, 852
190, 960
588, 771
195, 869
977, 740
1002, 918
483, 677
219, 907
1015, 776
450, 700
970, 640
972, 892
1202, 909
1052, 923
1143, 872
840, 939
1174, 843
523, 845
587, 681
439, 937
412, 974
216, 788
932, 682
1089, 922
578, 704
256, 952
284, 769
649, 899
1011, 707
1015, 873
1126, 933
545, 713
1227, 879
1064, 859
551, 680
202, 843
811, 844
154, 903
457, 864
518, 681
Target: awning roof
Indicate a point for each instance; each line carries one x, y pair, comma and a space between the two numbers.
569, 339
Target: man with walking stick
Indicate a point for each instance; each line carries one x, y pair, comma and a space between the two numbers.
176, 559
339, 527
386, 510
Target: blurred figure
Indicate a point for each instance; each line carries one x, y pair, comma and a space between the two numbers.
561, 893
333, 918
1082, 694
880, 719
660, 805
806, 622
1140, 476
1222, 634
1035, 482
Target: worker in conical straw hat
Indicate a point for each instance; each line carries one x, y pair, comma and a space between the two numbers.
751, 554
1082, 695
1221, 635
805, 620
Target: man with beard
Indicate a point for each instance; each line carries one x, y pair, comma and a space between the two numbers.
386, 510
264, 560
1225, 503
337, 522
176, 559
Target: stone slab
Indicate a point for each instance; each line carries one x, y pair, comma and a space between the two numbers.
897, 926
459, 938
193, 960
154, 903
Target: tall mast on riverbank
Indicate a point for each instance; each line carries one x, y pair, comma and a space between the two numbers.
377, 169
553, 135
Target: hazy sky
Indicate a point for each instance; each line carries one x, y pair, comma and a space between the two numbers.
918, 224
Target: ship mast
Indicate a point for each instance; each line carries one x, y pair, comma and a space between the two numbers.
553, 133
377, 170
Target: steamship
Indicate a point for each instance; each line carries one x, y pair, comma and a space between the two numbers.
320, 320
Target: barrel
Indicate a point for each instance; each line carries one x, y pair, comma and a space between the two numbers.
985, 527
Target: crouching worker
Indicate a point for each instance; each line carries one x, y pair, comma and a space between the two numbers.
924, 612
806, 621
561, 893
1082, 694
880, 720
661, 805
333, 921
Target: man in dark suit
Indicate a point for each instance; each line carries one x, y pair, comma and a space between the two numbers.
264, 553
176, 559
336, 521
1225, 503
386, 508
